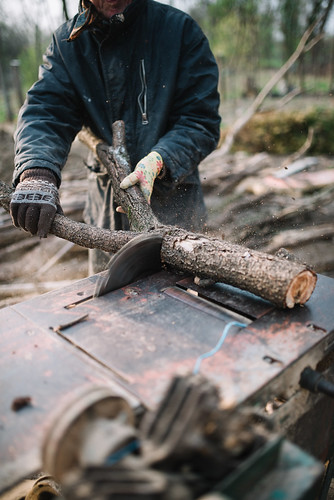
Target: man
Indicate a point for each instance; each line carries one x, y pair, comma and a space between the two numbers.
139, 61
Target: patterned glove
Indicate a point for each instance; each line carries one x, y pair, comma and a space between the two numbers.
35, 201
145, 174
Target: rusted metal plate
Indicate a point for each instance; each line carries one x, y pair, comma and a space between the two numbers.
138, 331
38, 370
145, 333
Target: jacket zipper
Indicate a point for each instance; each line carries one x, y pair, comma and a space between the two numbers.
142, 98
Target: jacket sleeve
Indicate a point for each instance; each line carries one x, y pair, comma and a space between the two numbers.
49, 119
194, 120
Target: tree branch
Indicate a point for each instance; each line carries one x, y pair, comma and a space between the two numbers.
241, 122
281, 282
139, 212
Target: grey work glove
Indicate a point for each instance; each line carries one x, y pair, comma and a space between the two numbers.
35, 201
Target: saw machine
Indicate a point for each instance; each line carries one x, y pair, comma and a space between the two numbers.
139, 383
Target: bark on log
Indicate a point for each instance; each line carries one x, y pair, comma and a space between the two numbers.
277, 280
140, 215
79, 233
281, 282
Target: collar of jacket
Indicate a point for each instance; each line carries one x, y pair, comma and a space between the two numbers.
89, 18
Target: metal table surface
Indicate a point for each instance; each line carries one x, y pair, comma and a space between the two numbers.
136, 338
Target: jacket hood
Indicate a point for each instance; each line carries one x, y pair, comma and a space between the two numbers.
89, 17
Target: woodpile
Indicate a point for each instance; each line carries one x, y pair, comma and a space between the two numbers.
30, 266
266, 203
261, 202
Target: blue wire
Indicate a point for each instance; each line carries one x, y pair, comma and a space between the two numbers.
218, 345
122, 453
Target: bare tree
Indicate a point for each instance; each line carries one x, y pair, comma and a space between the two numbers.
303, 47
3, 87
65, 11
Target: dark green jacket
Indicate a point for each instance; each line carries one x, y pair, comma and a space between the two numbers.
155, 72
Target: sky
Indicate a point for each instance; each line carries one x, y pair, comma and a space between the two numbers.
49, 12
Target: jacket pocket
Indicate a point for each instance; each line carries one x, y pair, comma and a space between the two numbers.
142, 98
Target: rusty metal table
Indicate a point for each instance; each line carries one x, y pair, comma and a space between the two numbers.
136, 338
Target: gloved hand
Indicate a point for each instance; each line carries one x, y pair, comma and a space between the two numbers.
145, 174
35, 201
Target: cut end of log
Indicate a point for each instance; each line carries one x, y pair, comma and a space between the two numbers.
301, 288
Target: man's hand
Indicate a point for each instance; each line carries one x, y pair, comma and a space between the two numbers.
145, 174
35, 201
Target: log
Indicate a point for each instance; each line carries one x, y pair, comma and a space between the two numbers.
55, 258
79, 233
17, 248
277, 280
292, 237
140, 215
272, 278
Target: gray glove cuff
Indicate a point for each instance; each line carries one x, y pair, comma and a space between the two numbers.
36, 191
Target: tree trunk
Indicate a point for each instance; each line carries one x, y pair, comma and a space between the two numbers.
278, 280
17, 82
65, 11
6, 96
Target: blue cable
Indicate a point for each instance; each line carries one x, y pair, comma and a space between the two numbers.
218, 345
135, 444
122, 453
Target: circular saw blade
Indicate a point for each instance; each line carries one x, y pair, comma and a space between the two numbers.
136, 258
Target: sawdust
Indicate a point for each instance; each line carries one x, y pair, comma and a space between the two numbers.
238, 212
